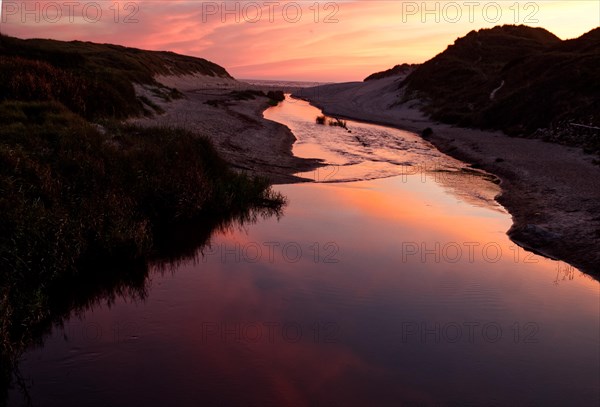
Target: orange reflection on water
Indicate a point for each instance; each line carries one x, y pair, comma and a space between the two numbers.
375, 257
373, 290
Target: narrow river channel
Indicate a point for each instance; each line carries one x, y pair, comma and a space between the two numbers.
388, 281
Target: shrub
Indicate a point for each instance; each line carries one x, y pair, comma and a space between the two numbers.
277, 95
338, 123
66, 188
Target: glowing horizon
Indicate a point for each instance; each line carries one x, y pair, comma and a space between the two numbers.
302, 40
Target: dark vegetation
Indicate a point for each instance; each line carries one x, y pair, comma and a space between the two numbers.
524, 81
426, 133
335, 122
93, 80
79, 189
247, 94
397, 70
338, 123
68, 187
274, 97
251, 94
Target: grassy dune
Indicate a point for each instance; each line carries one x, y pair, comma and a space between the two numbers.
69, 182
517, 79
70, 186
93, 80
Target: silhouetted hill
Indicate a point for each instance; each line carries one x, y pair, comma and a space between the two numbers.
397, 70
93, 80
459, 81
517, 79
585, 43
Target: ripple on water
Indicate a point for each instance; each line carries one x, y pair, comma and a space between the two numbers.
368, 152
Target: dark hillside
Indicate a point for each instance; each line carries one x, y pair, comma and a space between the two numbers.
93, 80
517, 79
397, 70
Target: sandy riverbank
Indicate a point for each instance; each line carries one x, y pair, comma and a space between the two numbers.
551, 191
236, 127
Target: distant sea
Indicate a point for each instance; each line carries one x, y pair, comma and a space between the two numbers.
282, 84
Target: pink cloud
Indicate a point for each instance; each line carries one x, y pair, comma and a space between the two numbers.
368, 35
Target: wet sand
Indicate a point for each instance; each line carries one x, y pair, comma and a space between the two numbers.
551, 191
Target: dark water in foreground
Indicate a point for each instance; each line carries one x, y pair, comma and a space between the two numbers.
399, 287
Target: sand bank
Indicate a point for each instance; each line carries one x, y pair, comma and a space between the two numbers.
236, 127
551, 191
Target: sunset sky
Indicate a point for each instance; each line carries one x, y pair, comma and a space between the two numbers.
302, 40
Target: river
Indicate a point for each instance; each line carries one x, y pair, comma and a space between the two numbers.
388, 281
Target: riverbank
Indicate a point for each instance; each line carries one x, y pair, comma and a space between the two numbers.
230, 114
551, 191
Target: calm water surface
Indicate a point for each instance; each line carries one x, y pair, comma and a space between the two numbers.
390, 281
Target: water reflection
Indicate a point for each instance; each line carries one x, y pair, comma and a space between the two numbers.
367, 151
334, 304
392, 291
31, 312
